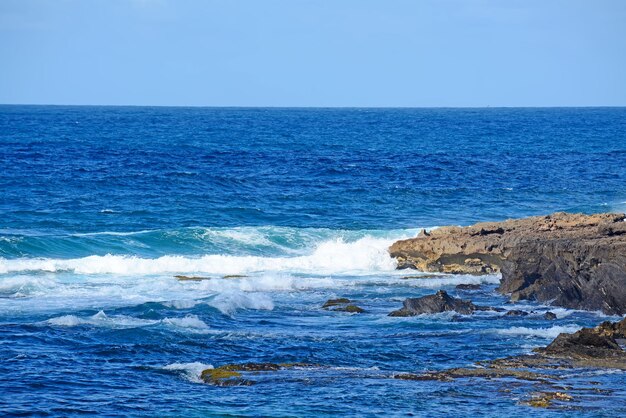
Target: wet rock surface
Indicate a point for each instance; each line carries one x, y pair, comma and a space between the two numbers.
235, 374
572, 260
551, 316
437, 303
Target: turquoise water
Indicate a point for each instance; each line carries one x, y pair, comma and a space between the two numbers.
102, 206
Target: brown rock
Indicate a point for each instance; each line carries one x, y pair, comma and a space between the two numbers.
576, 261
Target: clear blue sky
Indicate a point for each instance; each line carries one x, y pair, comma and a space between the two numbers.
314, 52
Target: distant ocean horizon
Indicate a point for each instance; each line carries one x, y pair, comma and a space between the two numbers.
282, 209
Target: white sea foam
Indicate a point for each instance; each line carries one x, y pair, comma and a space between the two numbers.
229, 302
101, 320
547, 333
191, 371
189, 323
331, 257
25, 285
437, 282
181, 304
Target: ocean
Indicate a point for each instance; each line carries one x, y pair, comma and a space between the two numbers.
282, 209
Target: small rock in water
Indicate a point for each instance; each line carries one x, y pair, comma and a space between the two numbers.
192, 278
420, 276
550, 316
516, 312
335, 302
342, 305
466, 286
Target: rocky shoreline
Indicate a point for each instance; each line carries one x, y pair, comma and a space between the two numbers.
569, 260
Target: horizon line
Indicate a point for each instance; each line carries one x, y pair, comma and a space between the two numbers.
318, 107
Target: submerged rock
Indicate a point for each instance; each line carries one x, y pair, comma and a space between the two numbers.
342, 305
437, 303
468, 287
335, 302
572, 260
544, 399
192, 278
461, 372
200, 278
224, 377
232, 374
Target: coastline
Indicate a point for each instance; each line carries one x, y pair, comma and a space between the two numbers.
568, 260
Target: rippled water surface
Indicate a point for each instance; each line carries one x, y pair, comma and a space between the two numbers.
102, 206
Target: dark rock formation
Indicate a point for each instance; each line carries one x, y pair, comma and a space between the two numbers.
439, 302
467, 287
551, 316
576, 261
590, 344
516, 312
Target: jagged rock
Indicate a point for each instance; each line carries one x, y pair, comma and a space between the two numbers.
573, 260
439, 302
551, 316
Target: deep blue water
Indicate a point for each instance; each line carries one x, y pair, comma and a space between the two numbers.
101, 206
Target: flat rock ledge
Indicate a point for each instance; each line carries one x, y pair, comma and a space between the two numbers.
570, 260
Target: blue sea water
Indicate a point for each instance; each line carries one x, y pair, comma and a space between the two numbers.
102, 206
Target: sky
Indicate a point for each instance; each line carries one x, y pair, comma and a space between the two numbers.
385, 53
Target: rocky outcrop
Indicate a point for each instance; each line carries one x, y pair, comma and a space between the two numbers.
572, 260
597, 347
437, 303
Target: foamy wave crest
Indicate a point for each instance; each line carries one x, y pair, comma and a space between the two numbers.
435, 282
101, 320
23, 286
191, 371
367, 254
547, 333
229, 302
189, 323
